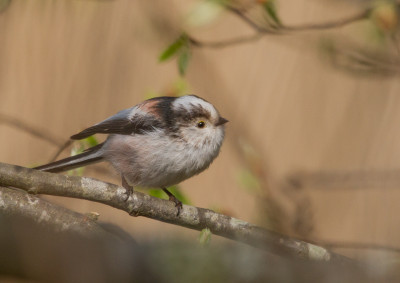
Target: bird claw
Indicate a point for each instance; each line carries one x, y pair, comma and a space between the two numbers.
171, 197
128, 194
128, 188
178, 204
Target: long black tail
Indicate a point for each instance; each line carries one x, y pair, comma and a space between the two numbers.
89, 156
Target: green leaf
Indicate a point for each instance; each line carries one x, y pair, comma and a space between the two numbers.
181, 87
77, 149
4, 4
328, 46
180, 47
91, 141
76, 171
249, 181
177, 192
151, 94
270, 8
174, 190
205, 237
173, 48
157, 193
385, 16
183, 61
205, 12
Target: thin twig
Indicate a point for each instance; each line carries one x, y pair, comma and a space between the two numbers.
363, 246
278, 30
36, 132
368, 179
248, 21
225, 43
30, 129
328, 25
139, 204
61, 149
395, 41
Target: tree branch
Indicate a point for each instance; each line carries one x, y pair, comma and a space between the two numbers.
225, 43
60, 149
329, 25
139, 204
240, 14
361, 246
20, 204
36, 132
276, 30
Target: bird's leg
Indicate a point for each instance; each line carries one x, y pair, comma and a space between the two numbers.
178, 203
129, 188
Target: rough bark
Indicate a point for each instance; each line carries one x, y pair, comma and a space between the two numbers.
139, 204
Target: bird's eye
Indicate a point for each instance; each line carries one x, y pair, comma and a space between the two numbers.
201, 124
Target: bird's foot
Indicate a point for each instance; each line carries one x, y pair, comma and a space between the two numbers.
129, 188
178, 203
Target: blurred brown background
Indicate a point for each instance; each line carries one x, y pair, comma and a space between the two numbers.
328, 117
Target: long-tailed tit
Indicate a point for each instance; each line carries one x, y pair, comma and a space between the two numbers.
157, 143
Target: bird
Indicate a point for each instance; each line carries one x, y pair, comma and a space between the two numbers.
157, 143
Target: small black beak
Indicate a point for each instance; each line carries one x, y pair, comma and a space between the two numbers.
221, 121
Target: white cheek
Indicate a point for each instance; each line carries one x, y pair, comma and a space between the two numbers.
208, 138
218, 137
197, 136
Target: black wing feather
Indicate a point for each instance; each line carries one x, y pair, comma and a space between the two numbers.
89, 156
123, 124
107, 127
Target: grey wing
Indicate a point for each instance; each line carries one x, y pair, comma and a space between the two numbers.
126, 122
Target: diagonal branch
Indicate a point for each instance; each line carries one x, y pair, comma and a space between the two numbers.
30, 129
36, 132
329, 25
277, 30
304, 27
139, 204
248, 21
225, 43
17, 203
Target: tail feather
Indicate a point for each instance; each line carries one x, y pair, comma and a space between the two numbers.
89, 156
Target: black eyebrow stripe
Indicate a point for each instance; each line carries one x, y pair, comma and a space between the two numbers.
196, 111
